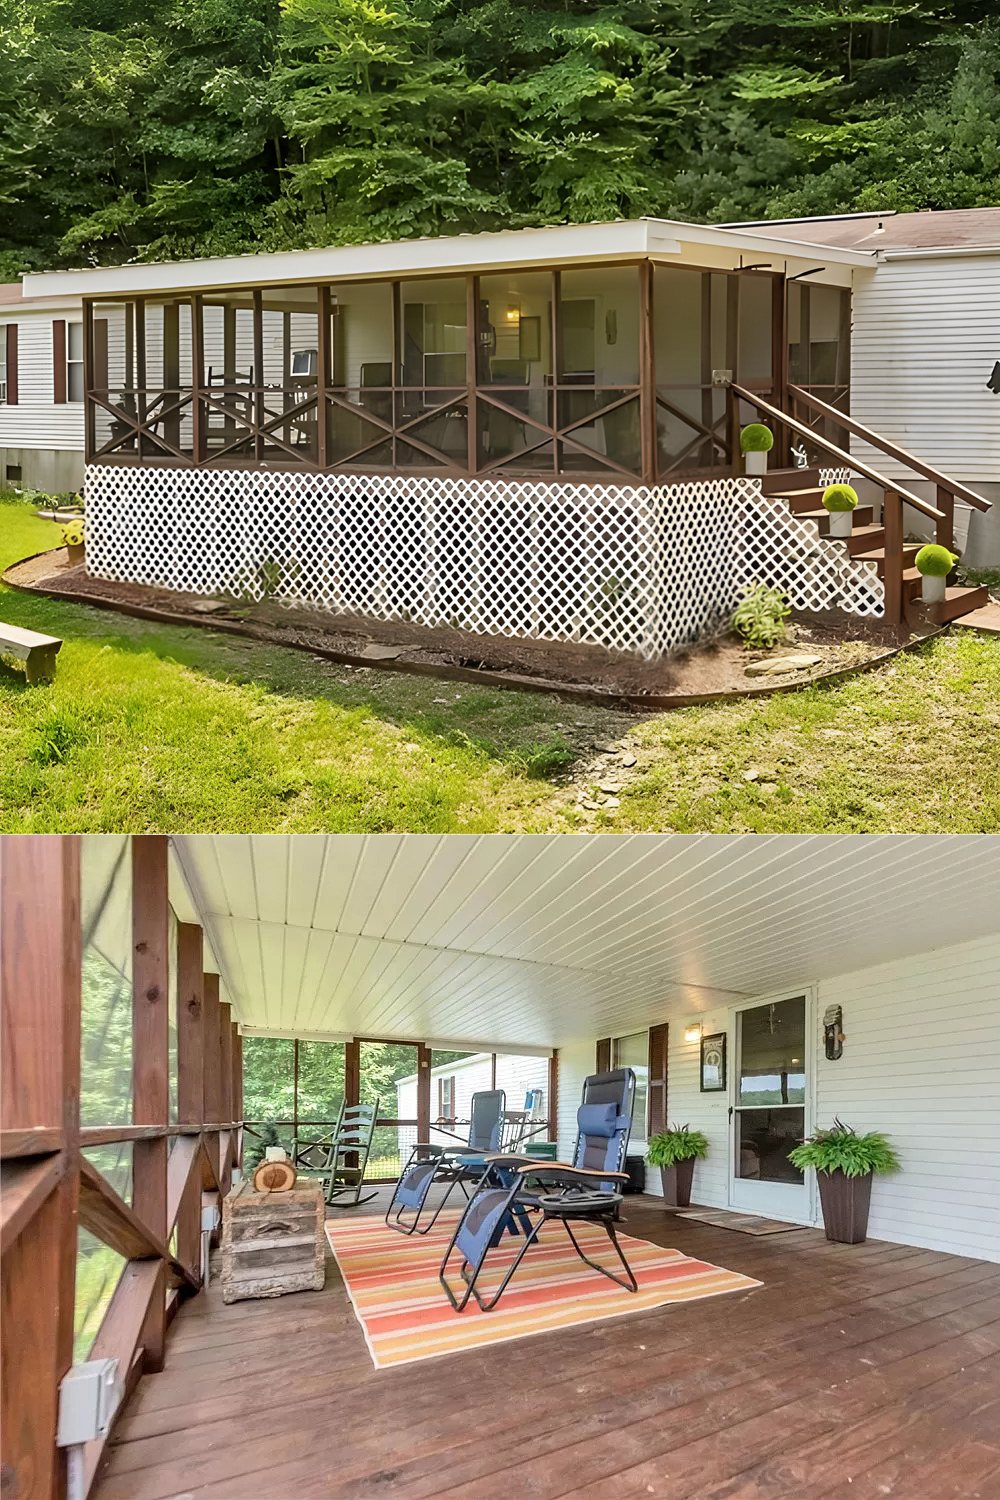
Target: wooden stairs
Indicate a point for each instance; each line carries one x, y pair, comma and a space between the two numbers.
804, 494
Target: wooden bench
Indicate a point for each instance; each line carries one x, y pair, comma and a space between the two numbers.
26, 648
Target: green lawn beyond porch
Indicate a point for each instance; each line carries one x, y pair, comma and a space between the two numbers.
153, 728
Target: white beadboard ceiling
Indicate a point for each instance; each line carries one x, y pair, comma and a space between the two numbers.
533, 941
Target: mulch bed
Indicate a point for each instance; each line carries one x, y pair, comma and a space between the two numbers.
708, 670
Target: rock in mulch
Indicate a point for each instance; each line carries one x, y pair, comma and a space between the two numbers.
781, 665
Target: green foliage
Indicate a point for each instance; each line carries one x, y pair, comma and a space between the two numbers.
934, 561
841, 1149
541, 761
760, 616
186, 127
756, 438
981, 578
840, 497
676, 1143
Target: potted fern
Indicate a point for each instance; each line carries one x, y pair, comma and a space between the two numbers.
845, 1163
675, 1151
756, 442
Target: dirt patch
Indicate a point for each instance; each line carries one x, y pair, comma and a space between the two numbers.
840, 641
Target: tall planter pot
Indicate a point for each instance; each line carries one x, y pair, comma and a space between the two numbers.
676, 1182
846, 1201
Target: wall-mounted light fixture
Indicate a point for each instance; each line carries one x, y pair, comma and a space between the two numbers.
692, 1032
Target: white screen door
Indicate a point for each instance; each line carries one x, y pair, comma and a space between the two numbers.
770, 1082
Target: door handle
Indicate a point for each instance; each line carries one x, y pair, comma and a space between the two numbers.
730, 1111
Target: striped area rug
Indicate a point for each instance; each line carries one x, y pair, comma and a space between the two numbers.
393, 1285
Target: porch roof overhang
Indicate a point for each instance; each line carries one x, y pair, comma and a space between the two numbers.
557, 245
520, 942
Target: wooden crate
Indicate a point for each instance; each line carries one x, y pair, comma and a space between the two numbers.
272, 1243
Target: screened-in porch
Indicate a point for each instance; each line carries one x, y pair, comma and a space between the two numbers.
604, 372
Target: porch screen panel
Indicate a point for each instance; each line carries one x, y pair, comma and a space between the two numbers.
287, 389
268, 1093
168, 395
690, 317
514, 371
754, 362
360, 407
819, 353
385, 1068
455, 1077
431, 408
525, 1081
597, 370
228, 364
105, 1056
114, 399
320, 1082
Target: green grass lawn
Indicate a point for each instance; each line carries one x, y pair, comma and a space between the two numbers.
153, 728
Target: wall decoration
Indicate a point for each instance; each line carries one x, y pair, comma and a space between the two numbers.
713, 1063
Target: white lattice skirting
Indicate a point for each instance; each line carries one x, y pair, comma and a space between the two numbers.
638, 570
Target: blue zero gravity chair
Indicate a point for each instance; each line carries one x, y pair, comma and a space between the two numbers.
586, 1191
429, 1163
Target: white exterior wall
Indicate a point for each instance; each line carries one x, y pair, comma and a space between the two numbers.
515, 1075
925, 337
921, 1062
36, 421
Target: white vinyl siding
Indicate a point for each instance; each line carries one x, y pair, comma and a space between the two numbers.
36, 421
926, 334
921, 1062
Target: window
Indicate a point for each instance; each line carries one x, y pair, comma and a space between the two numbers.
74, 361
446, 1098
633, 1052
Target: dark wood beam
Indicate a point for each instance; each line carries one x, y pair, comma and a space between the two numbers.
114, 1223
190, 1006
120, 1334
213, 1077
24, 1187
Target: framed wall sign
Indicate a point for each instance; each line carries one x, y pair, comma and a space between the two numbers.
713, 1063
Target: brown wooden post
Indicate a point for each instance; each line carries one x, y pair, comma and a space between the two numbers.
557, 362
199, 411
190, 1077
732, 363
258, 369
141, 404
554, 1097
423, 1092
779, 368
226, 1092
352, 1072
295, 1087
40, 1002
472, 380
213, 1061
323, 373
945, 501
892, 521
150, 1059
90, 380
647, 374
237, 1073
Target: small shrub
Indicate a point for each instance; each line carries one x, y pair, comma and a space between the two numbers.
55, 739
840, 497
756, 438
841, 1149
676, 1143
934, 561
540, 761
760, 616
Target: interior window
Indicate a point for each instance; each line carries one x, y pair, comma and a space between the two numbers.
633, 1052
74, 361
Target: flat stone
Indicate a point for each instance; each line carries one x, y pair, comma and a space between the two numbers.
592, 806
613, 802
382, 653
610, 787
603, 748
751, 775
781, 665
205, 606
628, 760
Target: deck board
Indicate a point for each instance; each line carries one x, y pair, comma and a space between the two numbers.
878, 1364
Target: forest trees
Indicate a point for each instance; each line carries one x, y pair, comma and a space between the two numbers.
191, 127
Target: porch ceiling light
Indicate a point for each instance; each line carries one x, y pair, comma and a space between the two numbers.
692, 1032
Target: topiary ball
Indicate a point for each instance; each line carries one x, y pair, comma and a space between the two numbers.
934, 561
756, 438
840, 497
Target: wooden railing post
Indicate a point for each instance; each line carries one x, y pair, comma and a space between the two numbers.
190, 1078
150, 1060
946, 526
892, 521
40, 1117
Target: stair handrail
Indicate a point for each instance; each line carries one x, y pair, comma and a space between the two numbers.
890, 449
754, 399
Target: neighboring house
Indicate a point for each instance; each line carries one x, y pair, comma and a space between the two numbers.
533, 433
525, 1081
925, 346
41, 391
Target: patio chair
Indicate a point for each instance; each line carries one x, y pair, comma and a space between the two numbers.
585, 1191
431, 1163
341, 1158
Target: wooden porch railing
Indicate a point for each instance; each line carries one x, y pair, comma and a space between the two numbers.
892, 509
947, 489
49, 1186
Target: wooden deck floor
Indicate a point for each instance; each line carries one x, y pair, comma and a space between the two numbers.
854, 1371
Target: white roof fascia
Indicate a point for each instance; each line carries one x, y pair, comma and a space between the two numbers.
41, 305
558, 245
938, 252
